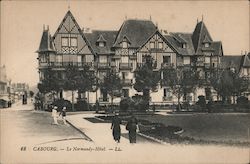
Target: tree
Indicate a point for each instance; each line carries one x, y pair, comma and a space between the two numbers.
50, 83
146, 78
112, 84
181, 81
228, 83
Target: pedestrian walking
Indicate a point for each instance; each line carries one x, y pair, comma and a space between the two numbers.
132, 127
54, 115
116, 122
63, 113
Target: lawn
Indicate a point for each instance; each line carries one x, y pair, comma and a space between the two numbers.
216, 128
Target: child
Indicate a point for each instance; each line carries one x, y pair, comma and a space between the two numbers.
63, 113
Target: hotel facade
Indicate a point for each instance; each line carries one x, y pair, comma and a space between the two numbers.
124, 51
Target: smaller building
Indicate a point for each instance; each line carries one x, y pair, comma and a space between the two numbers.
239, 64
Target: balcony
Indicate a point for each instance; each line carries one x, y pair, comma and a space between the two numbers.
65, 64
127, 82
125, 66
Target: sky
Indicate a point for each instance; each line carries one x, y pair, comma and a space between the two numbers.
22, 24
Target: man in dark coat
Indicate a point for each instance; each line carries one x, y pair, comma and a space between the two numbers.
132, 127
116, 122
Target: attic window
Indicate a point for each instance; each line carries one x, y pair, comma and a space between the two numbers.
124, 44
160, 45
206, 44
101, 44
152, 45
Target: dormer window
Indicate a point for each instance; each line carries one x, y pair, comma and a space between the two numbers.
206, 44
124, 44
206, 41
101, 42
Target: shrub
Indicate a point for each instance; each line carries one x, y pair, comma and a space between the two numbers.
140, 103
126, 104
242, 100
60, 103
82, 105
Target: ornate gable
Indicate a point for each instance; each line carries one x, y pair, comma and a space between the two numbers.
69, 38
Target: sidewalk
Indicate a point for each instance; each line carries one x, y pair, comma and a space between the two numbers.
101, 133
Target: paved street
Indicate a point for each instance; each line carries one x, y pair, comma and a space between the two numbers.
27, 136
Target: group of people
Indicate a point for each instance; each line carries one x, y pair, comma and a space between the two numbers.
131, 126
55, 115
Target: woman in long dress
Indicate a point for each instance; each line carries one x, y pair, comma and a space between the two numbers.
132, 126
116, 122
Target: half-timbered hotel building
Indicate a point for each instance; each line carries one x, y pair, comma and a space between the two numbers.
124, 50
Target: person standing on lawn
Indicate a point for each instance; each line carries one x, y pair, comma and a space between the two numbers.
63, 113
54, 115
132, 127
116, 122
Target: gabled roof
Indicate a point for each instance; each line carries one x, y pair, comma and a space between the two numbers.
109, 36
206, 40
163, 38
46, 44
187, 37
246, 60
69, 14
101, 39
199, 35
136, 31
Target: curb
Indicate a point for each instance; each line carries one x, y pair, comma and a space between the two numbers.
88, 139
153, 139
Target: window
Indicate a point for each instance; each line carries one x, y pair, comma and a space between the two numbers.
206, 44
160, 45
152, 45
184, 45
58, 58
166, 59
207, 59
186, 60
167, 93
101, 44
65, 42
124, 75
103, 59
73, 42
124, 44
43, 58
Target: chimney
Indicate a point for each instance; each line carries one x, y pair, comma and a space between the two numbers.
43, 27
48, 27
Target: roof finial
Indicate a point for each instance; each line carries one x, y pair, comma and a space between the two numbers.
68, 4
156, 24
